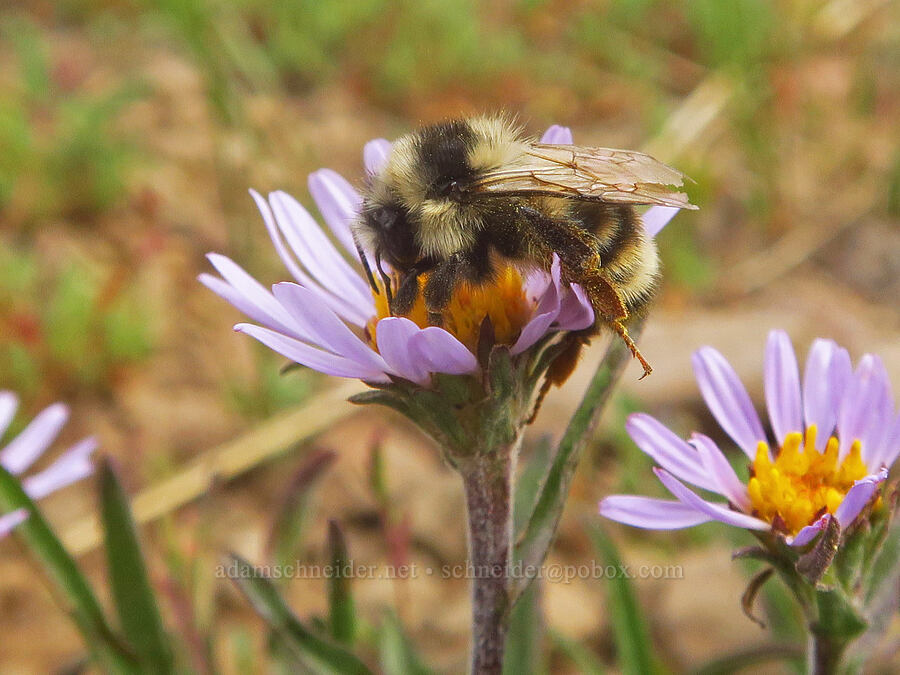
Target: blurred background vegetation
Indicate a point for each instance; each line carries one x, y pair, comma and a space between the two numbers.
130, 131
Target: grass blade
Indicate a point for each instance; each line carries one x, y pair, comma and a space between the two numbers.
584, 659
524, 641
131, 589
342, 610
630, 632
66, 578
312, 651
538, 534
396, 654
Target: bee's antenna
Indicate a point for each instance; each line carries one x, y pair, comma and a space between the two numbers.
365, 264
385, 278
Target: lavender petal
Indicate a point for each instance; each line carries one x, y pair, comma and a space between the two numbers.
575, 311
782, 385
862, 403
825, 363
657, 217
9, 521
715, 511
439, 352
343, 307
557, 135
890, 449
858, 497
649, 513
8, 404
302, 353
727, 399
72, 466
323, 327
716, 465
247, 294
668, 450
393, 335
544, 315
339, 204
316, 253
23, 450
810, 532
375, 155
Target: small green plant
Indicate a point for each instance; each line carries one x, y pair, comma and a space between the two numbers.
77, 324
61, 154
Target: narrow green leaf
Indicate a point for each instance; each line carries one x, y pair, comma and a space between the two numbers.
753, 657
882, 573
62, 571
397, 656
530, 482
632, 639
290, 522
342, 609
539, 533
753, 588
129, 582
310, 650
524, 641
380, 397
584, 659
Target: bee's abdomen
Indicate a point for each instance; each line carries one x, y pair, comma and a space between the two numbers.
628, 256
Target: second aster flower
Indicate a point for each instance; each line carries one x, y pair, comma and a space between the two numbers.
837, 436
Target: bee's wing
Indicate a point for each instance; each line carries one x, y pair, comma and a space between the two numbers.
595, 174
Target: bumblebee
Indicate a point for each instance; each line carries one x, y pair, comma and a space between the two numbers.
455, 198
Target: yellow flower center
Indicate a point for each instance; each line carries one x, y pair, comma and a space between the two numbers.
502, 299
802, 483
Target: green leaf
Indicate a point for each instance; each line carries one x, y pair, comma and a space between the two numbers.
396, 653
632, 639
586, 662
310, 650
530, 482
342, 610
752, 657
62, 571
538, 535
290, 522
524, 653
882, 574
381, 397
838, 620
130, 585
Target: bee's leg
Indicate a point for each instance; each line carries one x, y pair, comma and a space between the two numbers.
611, 309
577, 249
635, 352
406, 295
440, 285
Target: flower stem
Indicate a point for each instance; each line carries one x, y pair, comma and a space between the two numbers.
824, 654
488, 483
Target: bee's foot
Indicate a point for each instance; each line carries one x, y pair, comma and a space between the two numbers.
623, 333
435, 318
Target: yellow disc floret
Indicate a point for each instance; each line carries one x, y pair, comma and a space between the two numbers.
802, 483
502, 299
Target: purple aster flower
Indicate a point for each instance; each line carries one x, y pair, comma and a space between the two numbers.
26, 448
327, 318
837, 430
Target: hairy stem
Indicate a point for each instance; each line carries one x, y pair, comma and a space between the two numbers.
488, 483
824, 654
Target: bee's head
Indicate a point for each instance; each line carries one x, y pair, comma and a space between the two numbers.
388, 229
417, 205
